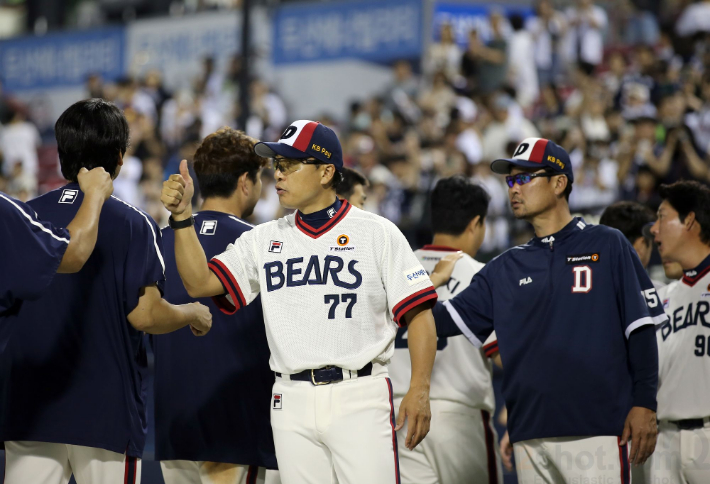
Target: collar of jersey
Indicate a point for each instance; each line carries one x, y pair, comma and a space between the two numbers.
576, 225
690, 277
315, 233
440, 248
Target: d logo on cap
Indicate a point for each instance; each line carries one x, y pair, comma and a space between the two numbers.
521, 149
290, 131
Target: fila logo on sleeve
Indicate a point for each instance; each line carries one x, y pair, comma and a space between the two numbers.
275, 246
68, 196
209, 227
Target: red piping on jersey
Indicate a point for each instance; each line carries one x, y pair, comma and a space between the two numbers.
624, 462
315, 233
230, 284
490, 452
440, 248
691, 281
251, 475
420, 297
491, 348
394, 434
305, 136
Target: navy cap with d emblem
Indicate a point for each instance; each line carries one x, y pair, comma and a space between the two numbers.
536, 153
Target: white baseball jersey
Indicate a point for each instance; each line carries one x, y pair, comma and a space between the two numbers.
331, 296
684, 347
461, 373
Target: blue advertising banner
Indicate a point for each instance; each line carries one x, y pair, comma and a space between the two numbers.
61, 60
466, 17
379, 31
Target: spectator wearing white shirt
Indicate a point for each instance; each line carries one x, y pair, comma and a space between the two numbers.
586, 35
444, 56
19, 140
522, 72
695, 18
547, 28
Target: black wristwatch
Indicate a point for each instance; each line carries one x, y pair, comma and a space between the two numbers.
174, 224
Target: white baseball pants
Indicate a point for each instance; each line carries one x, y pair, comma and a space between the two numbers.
50, 463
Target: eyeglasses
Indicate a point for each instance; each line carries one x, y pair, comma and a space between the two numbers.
525, 178
290, 165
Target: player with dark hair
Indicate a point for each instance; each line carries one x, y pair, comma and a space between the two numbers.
334, 283
632, 219
574, 313
461, 381
682, 234
352, 187
75, 367
212, 395
33, 251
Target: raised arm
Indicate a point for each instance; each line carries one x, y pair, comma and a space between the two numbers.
84, 228
198, 280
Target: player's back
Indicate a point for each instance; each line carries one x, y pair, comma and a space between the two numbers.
684, 347
212, 393
84, 362
461, 373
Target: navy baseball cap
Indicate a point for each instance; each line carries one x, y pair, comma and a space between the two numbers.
536, 153
305, 139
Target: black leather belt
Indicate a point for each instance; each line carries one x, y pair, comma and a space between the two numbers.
689, 423
329, 374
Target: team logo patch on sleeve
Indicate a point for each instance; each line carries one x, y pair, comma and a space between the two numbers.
583, 258
209, 227
415, 275
68, 196
276, 403
275, 246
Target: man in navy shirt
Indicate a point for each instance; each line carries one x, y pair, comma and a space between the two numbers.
34, 250
574, 312
212, 396
75, 366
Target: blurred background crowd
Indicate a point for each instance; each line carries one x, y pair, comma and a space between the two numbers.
622, 86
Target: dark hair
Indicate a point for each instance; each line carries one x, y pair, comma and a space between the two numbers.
628, 217
90, 133
222, 158
455, 201
516, 21
690, 196
350, 178
568, 188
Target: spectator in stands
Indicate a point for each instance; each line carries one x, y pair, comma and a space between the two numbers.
547, 27
444, 55
522, 72
585, 38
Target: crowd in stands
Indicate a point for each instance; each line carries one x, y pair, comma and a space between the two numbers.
631, 107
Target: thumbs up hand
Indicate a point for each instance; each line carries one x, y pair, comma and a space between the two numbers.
178, 191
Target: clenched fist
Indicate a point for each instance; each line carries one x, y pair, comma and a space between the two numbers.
202, 319
178, 191
95, 182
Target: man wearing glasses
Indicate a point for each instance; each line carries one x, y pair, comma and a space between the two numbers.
335, 282
574, 312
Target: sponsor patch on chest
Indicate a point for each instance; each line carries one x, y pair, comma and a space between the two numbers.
583, 258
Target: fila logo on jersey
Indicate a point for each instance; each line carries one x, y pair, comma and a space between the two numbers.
277, 401
209, 227
576, 259
275, 246
526, 280
331, 212
312, 274
415, 274
548, 240
683, 317
68, 196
